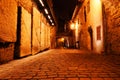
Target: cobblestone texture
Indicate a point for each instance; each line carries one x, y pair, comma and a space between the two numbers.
63, 64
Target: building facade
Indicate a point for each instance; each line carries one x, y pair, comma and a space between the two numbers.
97, 26
24, 29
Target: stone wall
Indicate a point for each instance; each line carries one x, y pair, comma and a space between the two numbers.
84, 38
8, 20
112, 19
53, 37
8, 29
95, 20
89, 17
22, 29
8, 23
106, 15
6, 52
27, 4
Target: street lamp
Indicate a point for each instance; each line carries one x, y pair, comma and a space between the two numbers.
74, 27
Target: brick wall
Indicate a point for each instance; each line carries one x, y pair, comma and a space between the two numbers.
112, 15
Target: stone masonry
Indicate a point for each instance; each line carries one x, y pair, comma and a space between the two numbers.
90, 16
20, 29
112, 15
8, 23
63, 64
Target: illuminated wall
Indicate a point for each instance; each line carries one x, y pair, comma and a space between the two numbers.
89, 25
27, 4
41, 32
95, 21
8, 20
82, 27
102, 17
8, 23
25, 47
42, 36
45, 36
48, 37
36, 31
22, 30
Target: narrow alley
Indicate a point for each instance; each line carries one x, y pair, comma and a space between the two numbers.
59, 39
63, 64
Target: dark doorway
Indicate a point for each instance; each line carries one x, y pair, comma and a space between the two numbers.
17, 43
91, 36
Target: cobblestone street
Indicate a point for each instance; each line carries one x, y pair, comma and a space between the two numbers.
63, 64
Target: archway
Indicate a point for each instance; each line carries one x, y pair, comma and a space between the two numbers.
91, 36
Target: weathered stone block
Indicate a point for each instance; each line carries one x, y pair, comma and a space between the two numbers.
8, 20
6, 52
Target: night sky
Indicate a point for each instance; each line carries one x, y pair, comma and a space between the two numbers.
63, 10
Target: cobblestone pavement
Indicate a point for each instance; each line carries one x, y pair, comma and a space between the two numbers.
63, 64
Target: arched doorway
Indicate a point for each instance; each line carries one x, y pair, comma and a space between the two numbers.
91, 36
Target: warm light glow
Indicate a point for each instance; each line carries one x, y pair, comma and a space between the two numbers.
76, 25
76, 31
72, 26
97, 1
95, 11
62, 39
41, 3
49, 17
46, 11
52, 23
50, 20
